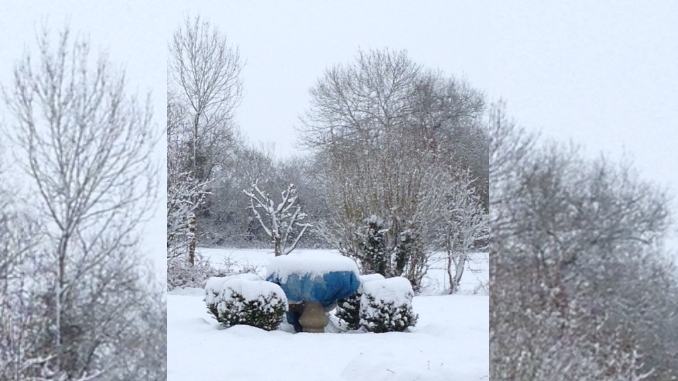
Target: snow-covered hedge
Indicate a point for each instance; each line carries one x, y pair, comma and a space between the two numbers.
386, 305
215, 285
348, 309
245, 299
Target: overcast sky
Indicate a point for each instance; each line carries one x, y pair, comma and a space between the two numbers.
602, 74
133, 34
288, 45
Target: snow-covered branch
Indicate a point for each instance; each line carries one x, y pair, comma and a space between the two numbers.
284, 220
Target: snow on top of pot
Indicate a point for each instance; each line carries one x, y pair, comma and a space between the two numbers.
314, 264
397, 290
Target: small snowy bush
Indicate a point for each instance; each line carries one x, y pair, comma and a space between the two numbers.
245, 299
372, 245
214, 288
348, 309
386, 305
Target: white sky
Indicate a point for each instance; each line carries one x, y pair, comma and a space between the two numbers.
134, 36
603, 74
289, 44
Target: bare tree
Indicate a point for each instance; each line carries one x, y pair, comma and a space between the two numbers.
87, 147
284, 219
185, 194
510, 146
576, 265
387, 131
204, 78
19, 343
466, 225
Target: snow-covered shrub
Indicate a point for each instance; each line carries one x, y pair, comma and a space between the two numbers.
407, 246
215, 285
372, 245
245, 299
386, 305
348, 309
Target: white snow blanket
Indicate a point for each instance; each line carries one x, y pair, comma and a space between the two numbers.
449, 342
368, 278
397, 290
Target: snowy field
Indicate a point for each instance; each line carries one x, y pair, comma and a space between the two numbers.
449, 342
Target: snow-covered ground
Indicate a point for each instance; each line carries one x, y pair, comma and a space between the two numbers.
450, 341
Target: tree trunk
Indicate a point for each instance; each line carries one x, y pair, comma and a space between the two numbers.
276, 246
58, 290
459, 270
192, 223
449, 272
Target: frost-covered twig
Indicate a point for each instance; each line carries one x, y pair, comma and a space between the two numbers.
283, 221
